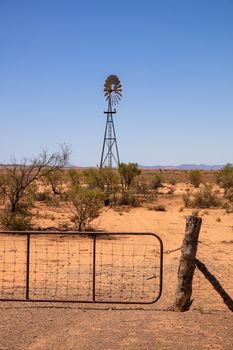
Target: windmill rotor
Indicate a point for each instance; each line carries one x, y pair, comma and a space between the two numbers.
113, 89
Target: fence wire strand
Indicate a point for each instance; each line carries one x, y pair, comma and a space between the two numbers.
218, 258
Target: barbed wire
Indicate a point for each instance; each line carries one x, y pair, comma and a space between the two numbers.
172, 250
66, 270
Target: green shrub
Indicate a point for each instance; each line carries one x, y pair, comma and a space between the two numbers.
225, 177
16, 222
229, 194
141, 186
54, 179
74, 177
130, 198
42, 197
204, 198
85, 206
94, 178
127, 173
195, 177
172, 181
187, 199
51, 200
157, 182
105, 179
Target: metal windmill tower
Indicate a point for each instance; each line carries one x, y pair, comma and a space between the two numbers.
112, 92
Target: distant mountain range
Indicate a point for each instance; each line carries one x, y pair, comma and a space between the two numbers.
184, 167
171, 167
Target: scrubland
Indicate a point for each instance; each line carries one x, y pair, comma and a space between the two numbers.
156, 201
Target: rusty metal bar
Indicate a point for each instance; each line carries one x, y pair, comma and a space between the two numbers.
94, 267
28, 266
94, 237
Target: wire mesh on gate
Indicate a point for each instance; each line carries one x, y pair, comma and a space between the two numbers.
102, 268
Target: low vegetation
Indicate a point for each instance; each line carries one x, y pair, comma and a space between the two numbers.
44, 182
206, 197
54, 179
17, 184
127, 173
225, 178
157, 182
195, 177
86, 205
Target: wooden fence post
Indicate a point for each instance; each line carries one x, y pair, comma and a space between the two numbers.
187, 264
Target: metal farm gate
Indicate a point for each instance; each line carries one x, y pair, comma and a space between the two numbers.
81, 267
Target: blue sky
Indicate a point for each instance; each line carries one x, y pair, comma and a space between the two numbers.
173, 57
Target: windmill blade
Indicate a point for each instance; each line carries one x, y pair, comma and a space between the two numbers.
113, 89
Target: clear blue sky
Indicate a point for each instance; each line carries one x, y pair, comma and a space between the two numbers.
174, 59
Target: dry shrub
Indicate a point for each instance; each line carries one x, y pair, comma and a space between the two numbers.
195, 177
157, 182
127, 173
225, 177
16, 222
130, 198
172, 181
204, 198
229, 194
160, 207
86, 205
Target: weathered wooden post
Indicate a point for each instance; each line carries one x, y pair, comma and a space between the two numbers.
187, 264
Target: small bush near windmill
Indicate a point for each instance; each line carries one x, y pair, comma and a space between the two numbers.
141, 186
130, 198
94, 178
195, 177
86, 205
106, 180
127, 174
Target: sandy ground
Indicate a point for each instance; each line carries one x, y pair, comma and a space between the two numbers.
208, 325
58, 328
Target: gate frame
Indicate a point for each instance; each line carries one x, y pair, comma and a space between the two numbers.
93, 235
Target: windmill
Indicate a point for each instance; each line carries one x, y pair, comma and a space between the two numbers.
113, 93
